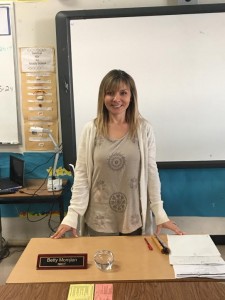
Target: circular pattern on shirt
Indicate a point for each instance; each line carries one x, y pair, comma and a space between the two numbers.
118, 202
116, 161
100, 185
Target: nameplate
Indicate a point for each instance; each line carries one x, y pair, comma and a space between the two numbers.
62, 261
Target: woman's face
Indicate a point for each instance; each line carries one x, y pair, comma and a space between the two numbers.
118, 101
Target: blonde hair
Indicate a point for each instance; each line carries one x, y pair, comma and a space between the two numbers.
111, 82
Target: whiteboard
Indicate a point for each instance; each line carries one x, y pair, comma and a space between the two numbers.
8, 88
177, 59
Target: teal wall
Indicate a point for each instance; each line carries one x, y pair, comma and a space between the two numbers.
185, 192
36, 166
194, 192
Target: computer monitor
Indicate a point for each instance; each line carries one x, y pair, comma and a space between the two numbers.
17, 170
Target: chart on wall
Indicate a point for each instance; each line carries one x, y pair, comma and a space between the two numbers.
8, 88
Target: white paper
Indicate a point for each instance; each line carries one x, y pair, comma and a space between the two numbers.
195, 256
197, 260
37, 60
192, 245
209, 271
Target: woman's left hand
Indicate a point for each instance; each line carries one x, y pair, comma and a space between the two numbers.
169, 225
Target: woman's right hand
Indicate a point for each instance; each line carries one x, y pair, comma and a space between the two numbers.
62, 229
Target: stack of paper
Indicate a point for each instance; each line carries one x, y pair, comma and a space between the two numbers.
195, 256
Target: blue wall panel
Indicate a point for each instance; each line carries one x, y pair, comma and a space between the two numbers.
194, 192
185, 192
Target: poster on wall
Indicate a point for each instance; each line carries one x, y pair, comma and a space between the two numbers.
39, 97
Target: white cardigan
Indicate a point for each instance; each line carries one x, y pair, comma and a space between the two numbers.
150, 188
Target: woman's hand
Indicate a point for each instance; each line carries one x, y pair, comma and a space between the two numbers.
62, 230
169, 225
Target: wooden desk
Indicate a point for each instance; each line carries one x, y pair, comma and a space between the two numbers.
34, 192
133, 260
121, 291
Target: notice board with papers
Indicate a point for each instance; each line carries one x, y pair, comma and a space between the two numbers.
9, 133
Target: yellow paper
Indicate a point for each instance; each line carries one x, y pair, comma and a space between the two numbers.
81, 292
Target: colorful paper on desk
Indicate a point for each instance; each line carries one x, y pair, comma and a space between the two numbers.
81, 292
193, 249
103, 291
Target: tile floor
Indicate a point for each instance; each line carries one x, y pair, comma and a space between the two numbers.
7, 264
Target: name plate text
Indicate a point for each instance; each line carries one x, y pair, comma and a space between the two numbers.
62, 261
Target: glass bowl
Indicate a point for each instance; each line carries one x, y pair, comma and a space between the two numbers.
104, 260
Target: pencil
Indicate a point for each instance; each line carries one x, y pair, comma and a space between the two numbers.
148, 244
159, 246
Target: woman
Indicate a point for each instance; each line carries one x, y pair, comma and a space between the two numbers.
116, 177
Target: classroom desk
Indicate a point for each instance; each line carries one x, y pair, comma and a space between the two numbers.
133, 260
121, 291
138, 273
42, 195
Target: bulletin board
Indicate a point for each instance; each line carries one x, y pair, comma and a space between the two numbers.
9, 129
38, 83
176, 57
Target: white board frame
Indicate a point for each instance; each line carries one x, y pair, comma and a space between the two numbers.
76, 110
10, 121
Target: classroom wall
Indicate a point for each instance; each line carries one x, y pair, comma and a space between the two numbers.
196, 198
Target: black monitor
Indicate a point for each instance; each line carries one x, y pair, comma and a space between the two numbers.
17, 170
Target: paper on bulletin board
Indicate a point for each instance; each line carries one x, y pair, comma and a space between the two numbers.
40, 111
39, 97
40, 141
39, 87
38, 59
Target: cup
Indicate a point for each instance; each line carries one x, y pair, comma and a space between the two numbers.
104, 260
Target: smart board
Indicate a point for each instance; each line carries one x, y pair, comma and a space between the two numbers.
176, 57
